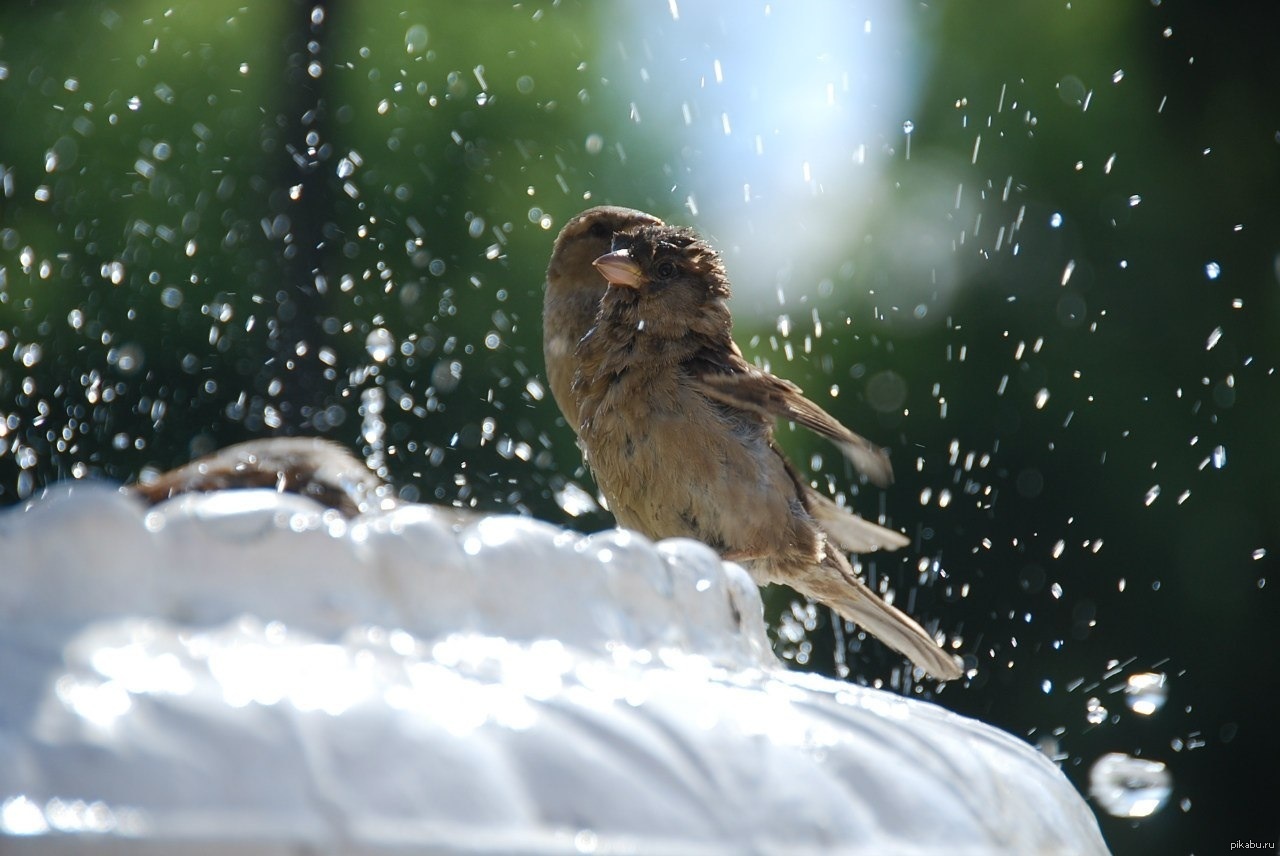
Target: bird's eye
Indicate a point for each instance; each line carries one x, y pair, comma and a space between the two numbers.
666, 270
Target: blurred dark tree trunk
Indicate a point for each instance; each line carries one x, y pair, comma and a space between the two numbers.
300, 205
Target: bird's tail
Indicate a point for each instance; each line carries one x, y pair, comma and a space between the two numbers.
837, 586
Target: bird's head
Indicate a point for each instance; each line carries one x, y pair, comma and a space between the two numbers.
672, 277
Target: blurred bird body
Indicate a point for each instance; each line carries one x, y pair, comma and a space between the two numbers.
309, 466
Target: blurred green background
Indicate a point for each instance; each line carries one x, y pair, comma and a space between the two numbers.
1034, 249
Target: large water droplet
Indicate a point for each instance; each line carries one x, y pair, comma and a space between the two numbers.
1129, 787
1145, 693
415, 39
380, 344
574, 501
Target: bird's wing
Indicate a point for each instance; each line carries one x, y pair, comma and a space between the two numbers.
853, 533
725, 376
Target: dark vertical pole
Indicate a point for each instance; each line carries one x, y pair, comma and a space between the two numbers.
300, 204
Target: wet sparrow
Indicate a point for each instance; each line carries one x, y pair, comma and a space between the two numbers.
677, 428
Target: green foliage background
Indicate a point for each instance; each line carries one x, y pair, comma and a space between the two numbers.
187, 260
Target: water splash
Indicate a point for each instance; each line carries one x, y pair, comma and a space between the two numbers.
574, 501
1129, 787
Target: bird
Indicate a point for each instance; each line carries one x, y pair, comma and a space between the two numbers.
677, 429
310, 466
571, 300
573, 291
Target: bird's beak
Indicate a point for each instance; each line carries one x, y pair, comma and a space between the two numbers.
620, 269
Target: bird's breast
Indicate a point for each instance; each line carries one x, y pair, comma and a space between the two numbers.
673, 464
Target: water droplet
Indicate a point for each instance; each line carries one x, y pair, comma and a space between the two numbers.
29, 355
445, 375
1219, 457
127, 358
380, 344
1214, 337
1129, 787
1042, 398
1055, 220
1071, 90
1213, 270
1145, 692
1094, 712
415, 39
1153, 493
373, 428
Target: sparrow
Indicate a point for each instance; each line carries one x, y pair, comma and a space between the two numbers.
310, 466
678, 431
573, 292
571, 300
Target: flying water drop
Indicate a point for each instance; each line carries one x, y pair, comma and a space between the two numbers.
1094, 712
380, 344
574, 501
1145, 693
1129, 787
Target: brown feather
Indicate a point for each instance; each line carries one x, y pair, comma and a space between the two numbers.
738, 384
